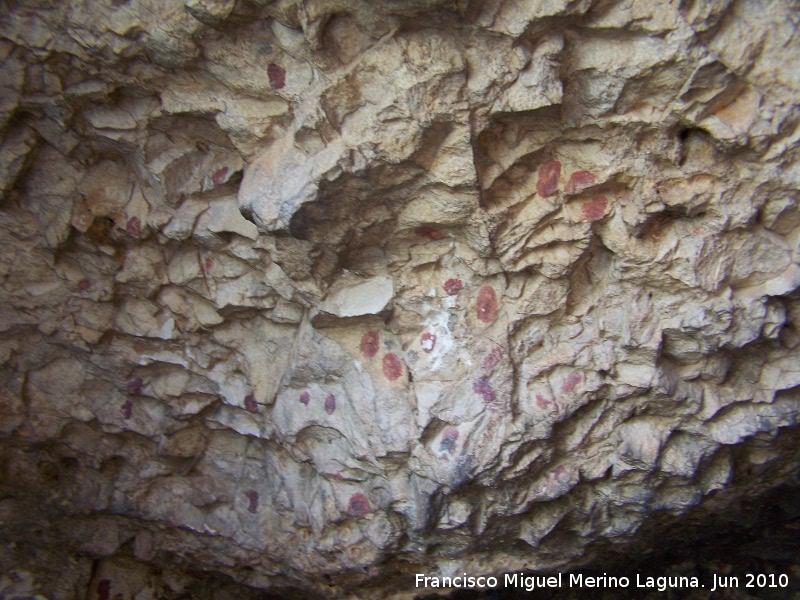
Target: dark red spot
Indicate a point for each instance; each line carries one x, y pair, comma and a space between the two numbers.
448, 443
549, 173
453, 286
134, 226
491, 360
428, 342
277, 76
392, 367
207, 264
543, 402
487, 304
358, 505
429, 232
594, 209
304, 398
484, 388
219, 176
104, 589
118, 596
252, 497
84, 284
250, 403
134, 386
330, 404
370, 343
127, 410
570, 382
578, 181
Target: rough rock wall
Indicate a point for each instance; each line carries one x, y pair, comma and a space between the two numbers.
318, 295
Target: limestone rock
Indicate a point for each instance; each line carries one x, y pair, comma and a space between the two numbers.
304, 298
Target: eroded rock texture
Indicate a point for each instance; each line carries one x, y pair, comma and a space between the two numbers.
320, 294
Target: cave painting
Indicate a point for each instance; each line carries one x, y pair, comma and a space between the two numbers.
486, 306
549, 173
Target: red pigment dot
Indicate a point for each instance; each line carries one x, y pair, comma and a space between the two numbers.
304, 398
487, 304
491, 360
84, 284
134, 386
370, 344
453, 286
127, 410
330, 404
358, 505
104, 589
429, 232
277, 76
484, 388
250, 404
549, 173
578, 181
252, 497
543, 402
570, 382
428, 342
392, 367
561, 470
207, 264
134, 226
448, 443
594, 209
219, 176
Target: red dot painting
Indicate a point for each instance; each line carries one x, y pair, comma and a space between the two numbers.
486, 306
549, 174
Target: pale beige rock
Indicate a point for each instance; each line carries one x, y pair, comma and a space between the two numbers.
317, 295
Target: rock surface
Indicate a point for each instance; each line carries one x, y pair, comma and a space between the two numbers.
313, 296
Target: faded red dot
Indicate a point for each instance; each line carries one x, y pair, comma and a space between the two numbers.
252, 498
370, 343
486, 306
219, 176
392, 367
491, 360
449, 438
549, 173
428, 342
484, 388
578, 181
127, 410
570, 382
277, 76
543, 402
134, 386
453, 286
594, 209
429, 232
358, 505
84, 284
305, 398
104, 589
250, 404
207, 264
330, 404
560, 470
134, 226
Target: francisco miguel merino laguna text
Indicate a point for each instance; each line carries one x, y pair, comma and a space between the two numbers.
532, 582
